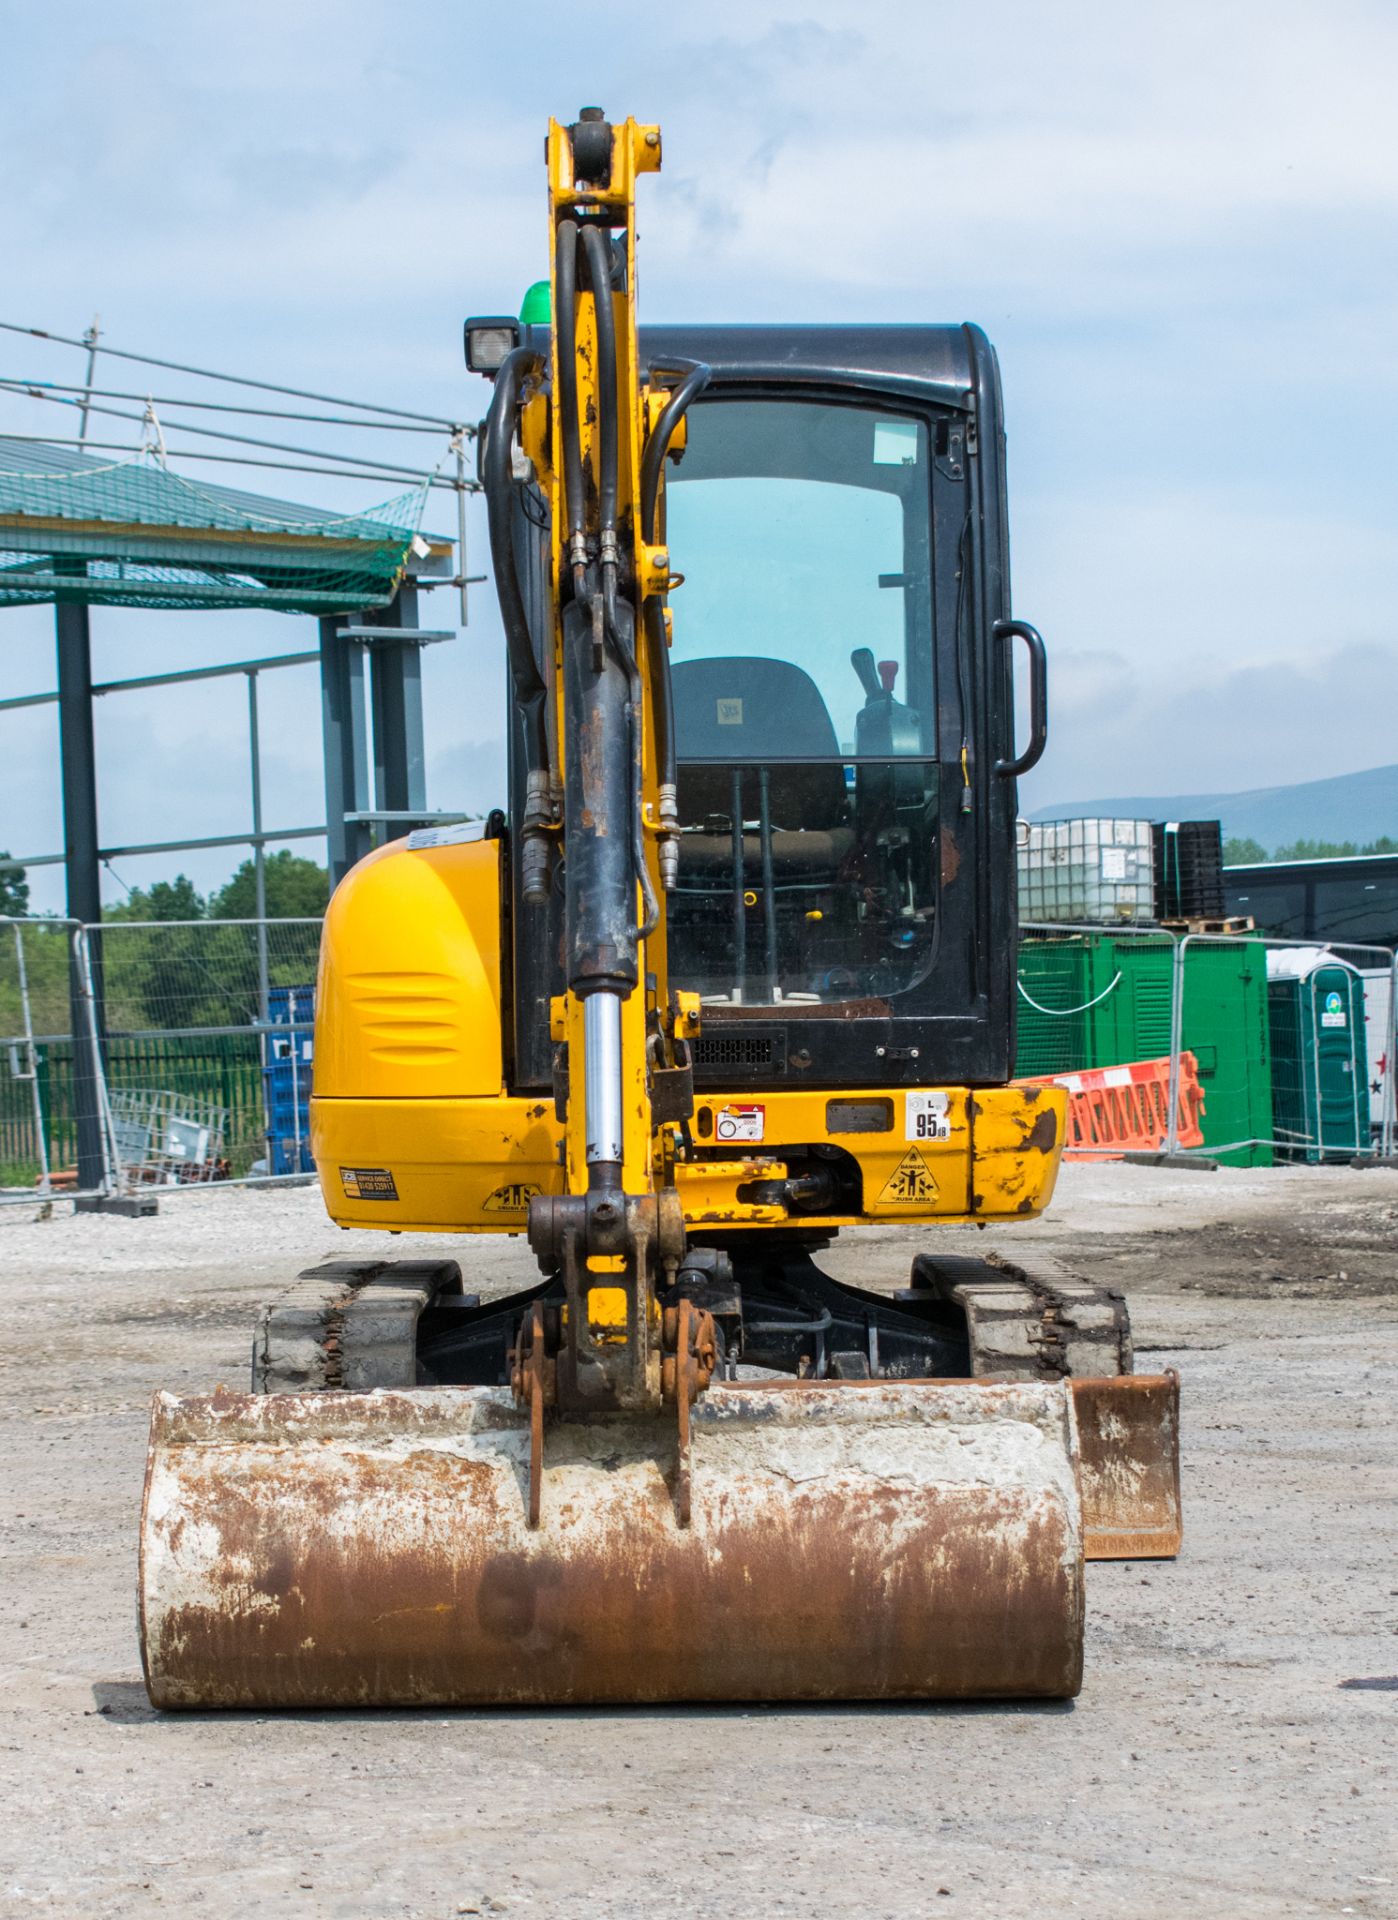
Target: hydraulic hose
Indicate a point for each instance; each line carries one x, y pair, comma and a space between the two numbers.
598, 252
498, 481
597, 255
627, 656
565, 278
696, 378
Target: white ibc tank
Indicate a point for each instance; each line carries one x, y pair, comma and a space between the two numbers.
1087, 872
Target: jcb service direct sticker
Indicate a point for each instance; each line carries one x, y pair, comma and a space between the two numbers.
368, 1183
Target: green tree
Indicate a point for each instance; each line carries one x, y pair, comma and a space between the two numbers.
177, 899
297, 889
1243, 852
1316, 850
14, 892
1248, 853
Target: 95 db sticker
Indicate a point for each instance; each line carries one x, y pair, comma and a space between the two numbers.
927, 1117
740, 1123
368, 1183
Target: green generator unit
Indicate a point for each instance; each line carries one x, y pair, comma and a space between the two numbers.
1097, 999
1320, 1075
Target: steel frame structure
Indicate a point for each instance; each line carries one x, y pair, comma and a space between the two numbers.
373, 759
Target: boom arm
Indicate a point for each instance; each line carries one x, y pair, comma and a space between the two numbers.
597, 438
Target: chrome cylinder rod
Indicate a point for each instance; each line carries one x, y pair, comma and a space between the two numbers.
602, 1076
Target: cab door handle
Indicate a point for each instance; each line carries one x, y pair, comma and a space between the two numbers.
1038, 695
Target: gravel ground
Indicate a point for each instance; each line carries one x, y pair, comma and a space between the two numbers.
1231, 1753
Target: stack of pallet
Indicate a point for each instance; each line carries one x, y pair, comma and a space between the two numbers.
1189, 871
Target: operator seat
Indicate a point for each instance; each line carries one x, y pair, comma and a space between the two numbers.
750, 711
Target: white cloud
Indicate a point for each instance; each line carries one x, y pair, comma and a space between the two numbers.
1174, 221
1117, 728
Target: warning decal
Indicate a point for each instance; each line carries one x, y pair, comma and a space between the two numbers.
368, 1183
910, 1184
513, 1198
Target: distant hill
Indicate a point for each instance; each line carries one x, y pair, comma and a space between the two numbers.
1350, 806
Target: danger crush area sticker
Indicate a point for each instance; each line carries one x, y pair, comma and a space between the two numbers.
911, 1184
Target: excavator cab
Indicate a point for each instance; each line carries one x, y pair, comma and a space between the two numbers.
841, 672
732, 973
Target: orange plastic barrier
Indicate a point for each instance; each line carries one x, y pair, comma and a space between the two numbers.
1117, 1110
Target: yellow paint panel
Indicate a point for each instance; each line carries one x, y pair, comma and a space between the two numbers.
459, 1166
472, 1165
606, 1309
1017, 1145
408, 1000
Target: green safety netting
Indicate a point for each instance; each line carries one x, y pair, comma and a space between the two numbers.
133, 532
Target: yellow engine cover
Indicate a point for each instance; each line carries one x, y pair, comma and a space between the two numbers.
408, 992
409, 1123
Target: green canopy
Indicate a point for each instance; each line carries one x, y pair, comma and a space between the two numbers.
131, 532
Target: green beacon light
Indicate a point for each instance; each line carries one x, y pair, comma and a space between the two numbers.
534, 311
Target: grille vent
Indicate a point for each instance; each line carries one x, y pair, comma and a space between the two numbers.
751, 1050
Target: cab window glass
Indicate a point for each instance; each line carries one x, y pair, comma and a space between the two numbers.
805, 723
802, 531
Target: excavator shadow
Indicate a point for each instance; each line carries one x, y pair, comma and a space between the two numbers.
125, 1704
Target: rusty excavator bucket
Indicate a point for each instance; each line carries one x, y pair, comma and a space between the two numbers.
860, 1540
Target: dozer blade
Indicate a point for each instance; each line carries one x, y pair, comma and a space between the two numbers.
856, 1541
1129, 1466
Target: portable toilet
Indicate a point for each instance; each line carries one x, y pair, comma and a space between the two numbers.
1381, 1032
1320, 1082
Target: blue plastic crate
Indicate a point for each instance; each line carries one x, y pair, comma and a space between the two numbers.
287, 1067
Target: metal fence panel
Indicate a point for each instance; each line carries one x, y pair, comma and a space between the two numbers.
205, 1013
49, 1069
1267, 1025
30, 969
1330, 1056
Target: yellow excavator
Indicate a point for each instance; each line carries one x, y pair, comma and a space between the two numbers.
733, 972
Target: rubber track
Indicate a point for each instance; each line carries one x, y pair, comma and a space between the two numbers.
1035, 1319
347, 1325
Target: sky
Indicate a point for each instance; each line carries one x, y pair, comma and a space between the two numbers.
1176, 223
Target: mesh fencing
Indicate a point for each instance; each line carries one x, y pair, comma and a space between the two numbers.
133, 532
217, 1017
1295, 1046
38, 1117
205, 1059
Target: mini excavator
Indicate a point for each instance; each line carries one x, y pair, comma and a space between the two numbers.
734, 972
